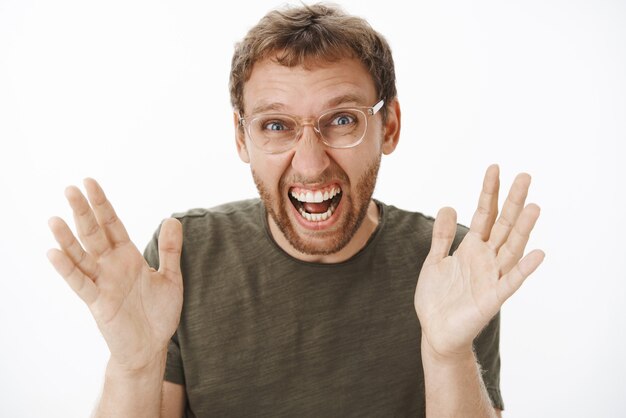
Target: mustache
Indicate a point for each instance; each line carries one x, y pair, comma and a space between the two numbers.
327, 176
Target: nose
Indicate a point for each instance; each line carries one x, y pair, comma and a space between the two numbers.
310, 158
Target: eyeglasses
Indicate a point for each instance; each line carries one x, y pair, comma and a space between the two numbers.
343, 127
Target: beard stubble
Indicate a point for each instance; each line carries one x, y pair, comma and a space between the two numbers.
354, 210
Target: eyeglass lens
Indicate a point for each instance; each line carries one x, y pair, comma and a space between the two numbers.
338, 128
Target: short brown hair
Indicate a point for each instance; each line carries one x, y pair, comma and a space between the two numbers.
310, 33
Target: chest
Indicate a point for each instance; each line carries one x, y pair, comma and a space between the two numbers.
268, 342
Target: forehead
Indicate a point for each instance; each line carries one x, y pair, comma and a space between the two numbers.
303, 90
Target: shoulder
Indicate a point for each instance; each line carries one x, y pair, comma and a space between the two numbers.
221, 228
224, 229
226, 210
233, 215
405, 223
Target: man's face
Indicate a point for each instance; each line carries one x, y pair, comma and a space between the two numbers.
343, 179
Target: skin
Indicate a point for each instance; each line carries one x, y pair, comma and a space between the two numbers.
137, 308
311, 164
458, 294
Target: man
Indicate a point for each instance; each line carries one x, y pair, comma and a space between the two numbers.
303, 303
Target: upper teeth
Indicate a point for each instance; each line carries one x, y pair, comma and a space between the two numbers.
317, 196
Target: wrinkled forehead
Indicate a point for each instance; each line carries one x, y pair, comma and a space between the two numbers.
312, 86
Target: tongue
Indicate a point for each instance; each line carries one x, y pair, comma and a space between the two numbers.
317, 207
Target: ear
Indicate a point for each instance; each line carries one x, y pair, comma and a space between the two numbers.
240, 139
392, 127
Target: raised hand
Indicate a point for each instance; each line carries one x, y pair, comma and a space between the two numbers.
136, 308
456, 296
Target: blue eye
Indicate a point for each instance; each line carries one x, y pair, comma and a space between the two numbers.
343, 120
274, 126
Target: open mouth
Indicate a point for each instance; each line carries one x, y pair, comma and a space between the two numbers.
315, 205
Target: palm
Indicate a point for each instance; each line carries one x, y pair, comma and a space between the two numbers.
136, 308
458, 294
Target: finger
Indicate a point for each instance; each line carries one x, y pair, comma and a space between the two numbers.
444, 231
487, 209
511, 210
510, 282
513, 249
105, 214
89, 232
81, 284
72, 248
170, 247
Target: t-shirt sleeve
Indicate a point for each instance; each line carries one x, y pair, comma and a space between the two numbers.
487, 348
174, 371
174, 367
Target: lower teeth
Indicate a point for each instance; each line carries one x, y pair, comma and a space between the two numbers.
317, 217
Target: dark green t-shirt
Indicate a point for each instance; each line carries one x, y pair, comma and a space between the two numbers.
263, 334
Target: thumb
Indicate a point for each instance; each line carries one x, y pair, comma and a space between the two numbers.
170, 247
444, 231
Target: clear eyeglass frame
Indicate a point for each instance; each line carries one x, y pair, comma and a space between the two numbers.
246, 123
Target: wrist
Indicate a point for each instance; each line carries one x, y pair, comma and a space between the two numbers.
444, 356
133, 391
453, 383
155, 363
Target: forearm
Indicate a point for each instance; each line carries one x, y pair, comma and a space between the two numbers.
454, 386
132, 393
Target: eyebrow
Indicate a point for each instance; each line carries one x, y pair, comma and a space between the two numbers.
341, 100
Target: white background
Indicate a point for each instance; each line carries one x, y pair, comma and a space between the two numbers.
134, 93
